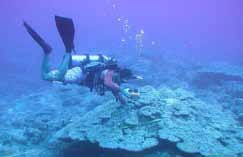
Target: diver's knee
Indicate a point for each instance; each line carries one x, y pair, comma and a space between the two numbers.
53, 75
45, 77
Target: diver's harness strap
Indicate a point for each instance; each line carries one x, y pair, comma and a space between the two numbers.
85, 62
98, 84
101, 58
87, 59
92, 72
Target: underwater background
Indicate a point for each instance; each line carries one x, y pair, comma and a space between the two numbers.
189, 53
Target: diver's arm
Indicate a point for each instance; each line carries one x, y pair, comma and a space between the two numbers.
114, 86
108, 81
119, 97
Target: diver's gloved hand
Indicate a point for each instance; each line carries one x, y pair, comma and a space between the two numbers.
138, 77
125, 92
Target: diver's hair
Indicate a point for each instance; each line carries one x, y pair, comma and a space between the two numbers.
125, 73
112, 67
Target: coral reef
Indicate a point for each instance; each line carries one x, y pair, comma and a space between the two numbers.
205, 122
221, 83
194, 126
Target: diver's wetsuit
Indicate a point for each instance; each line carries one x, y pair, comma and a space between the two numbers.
70, 72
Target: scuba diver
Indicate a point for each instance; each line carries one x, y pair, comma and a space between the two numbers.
98, 72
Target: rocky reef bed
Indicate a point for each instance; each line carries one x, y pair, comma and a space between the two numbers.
59, 119
159, 116
221, 83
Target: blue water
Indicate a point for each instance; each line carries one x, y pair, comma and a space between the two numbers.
178, 47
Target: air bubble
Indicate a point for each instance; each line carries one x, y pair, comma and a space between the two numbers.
142, 31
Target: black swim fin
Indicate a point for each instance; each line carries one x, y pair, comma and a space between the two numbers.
46, 47
66, 30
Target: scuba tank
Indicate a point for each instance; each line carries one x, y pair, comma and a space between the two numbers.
81, 60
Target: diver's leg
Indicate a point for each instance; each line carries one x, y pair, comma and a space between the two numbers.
64, 66
45, 68
55, 75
